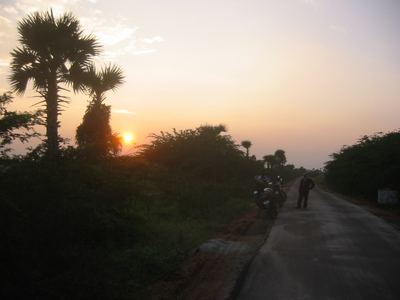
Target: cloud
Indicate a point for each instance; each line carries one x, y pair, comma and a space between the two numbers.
22, 7
29, 6
10, 9
3, 63
155, 39
125, 42
5, 22
119, 37
144, 51
108, 32
122, 111
6, 28
116, 34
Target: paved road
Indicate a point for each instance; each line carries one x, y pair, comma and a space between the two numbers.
333, 250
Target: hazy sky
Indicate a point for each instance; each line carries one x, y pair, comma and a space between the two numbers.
307, 76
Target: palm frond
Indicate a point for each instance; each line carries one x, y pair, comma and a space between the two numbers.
19, 80
57, 41
75, 77
99, 82
42, 102
87, 46
22, 57
37, 32
111, 77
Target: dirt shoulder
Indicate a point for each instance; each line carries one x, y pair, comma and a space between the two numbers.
215, 267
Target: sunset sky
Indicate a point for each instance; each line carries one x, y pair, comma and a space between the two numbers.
307, 76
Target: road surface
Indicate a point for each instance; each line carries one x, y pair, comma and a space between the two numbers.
332, 250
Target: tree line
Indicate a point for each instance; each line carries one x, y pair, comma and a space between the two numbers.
361, 169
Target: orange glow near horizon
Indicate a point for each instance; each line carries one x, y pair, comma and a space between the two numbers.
128, 138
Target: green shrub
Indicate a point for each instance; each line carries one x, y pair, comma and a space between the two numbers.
363, 168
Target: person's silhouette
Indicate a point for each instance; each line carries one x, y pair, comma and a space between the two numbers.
306, 184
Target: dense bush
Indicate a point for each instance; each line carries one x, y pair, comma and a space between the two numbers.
83, 230
372, 163
64, 229
205, 152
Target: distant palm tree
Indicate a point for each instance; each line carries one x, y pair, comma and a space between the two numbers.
246, 144
280, 157
97, 83
270, 160
94, 134
53, 51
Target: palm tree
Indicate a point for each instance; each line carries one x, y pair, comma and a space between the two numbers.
246, 144
269, 160
97, 83
53, 52
94, 135
280, 157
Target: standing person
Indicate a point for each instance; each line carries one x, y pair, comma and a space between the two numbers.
306, 184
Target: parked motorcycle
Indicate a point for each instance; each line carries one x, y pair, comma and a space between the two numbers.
280, 194
266, 199
269, 194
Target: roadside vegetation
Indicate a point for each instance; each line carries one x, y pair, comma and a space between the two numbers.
82, 222
108, 228
361, 169
76, 229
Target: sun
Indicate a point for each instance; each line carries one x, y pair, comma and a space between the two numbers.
128, 138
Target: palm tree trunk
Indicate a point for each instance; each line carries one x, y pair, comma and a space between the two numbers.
247, 152
52, 118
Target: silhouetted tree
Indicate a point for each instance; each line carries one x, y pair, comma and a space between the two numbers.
205, 152
246, 144
361, 169
269, 160
94, 135
280, 157
53, 51
12, 122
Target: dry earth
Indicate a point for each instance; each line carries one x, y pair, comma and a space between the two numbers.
215, 267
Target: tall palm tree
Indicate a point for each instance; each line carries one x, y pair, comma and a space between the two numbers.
53, 51
246, 144
94, 135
